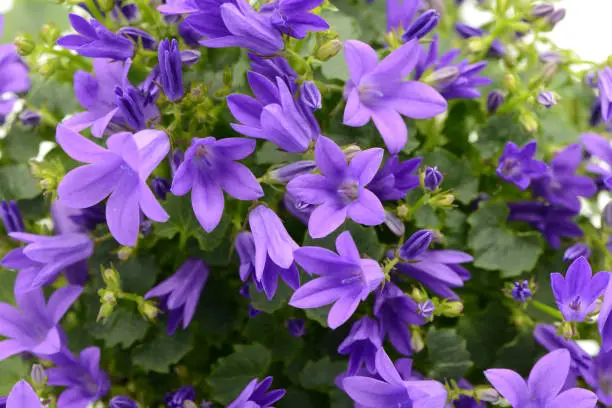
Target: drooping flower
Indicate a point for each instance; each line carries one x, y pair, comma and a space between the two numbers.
11, 217
177, 398
86, 382
257, 395
605, 93
267, 252
14, 78
345, 280
105, 96
377, 91
361, 345
96, 41
120, 171
210, 168
521, 292
293, 17
296, 327
122, 402
497, 47
433, 178
544, 386
395, 179
561, 186
180, 293
44, 258
340, 191
391, 390
171, 71
22, 395
576, 251
517, 165
34, 326
395, 310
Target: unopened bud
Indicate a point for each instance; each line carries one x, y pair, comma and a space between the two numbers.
487, 395
416, 341
566, 330
148, 310
416, 245
111, 278
106, 5
451, 309
190, 57
396, 225
49, 33
418, 295
606, 215
556, 16
442, 76
38, 376
494, 100
124, 253
549, 71
542, 10
529, 122
25, 44
289, 172
510, 82
105, 311
328, 50
48, 68
442, 200
189, 404
350, 151
310, 95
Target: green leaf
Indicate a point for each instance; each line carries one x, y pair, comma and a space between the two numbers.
458, 174
269, 331
348, 29
138, 274
260, 301
16, 183
56, 97
163, 351
123, 328
425, 217
321, 374
7, 282
319, 314
21, 144
232, 373
365, 239
496, 132
496, 247
269, 153
296, 398
447, 354
12, 370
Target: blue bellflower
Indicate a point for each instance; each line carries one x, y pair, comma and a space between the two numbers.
599, 147
401, 13
290, 171
605, 93
494, 100
179, 294
361, 345
171, 71
177, 398
394, 180
517, 165
11, 217
293, 17
521, 292
297, 208
257, 395
22, 395
546, 99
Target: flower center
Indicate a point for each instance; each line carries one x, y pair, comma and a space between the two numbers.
576, 304
369, 94
511, 167
204, 156
348, 191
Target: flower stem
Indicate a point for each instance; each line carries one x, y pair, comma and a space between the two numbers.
547, 309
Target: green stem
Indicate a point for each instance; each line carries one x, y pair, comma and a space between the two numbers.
390, 265
95, 12
547, 309
67, 54
103, 238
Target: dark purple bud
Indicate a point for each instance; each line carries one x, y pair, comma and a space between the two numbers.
140, 37
433, 178
542, 10
90, 217
29, 118
521, 291
170, 69
550, 56
177, 399
11, 217
595, 117
244, 291
146, 227
296, 327
606, 215
396, 225
556, 16
130, 103
176, 158
3, 402
426, 309
576, 251
416, 245
466, 31
190, 57
494, 100
253, 312
546, 99
161, 187
122, 402
422, 25
290, 171
310, 95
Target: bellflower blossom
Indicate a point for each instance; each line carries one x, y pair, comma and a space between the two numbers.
210, 168
395, 311
271, 68
521, 292
293, 17
517, 165
83, 378
361, 344
120, 171
345, 280
394, 180
561, 186
274, 251
14, 79
96, 41
605, 93
599, 147
11, 217
44, 258
340, 191
171, 70
257, 395
22, 395
391, 390
544, 387
179, 294
377, 91
101, 96
34, 326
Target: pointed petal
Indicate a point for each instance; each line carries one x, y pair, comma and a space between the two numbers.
365, 164
61, 300
367, 210
574, 398
548, 375
238, 181
392, 128
326, 218
509, 384
310, 188
78, 147
316, 293
343, 309
419, 101
330, 159
207, 201
322, 261
360, 59
123, 211
23, 396
86, 186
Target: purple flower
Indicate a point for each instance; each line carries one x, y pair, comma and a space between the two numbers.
416, 245
517, 165
310, 95
378, 91
439, 270
298, 209
422, 26
34, 326
546, 99
599, 147
394, 180
161, 187
561, 186
576, 251
257, 395
172, 7
11, 217
494, 100
96, 41
101, 95
544, 385
274, 67
296, 327
177, 398
542, 10
171, 71
14, 78
577, 292
433, 178
30, 118
235, 24
361, 344
22, 395
426, 309
86, 383
120, 171
44, 258
553, 222
274, 249
395, 311
605, 93
180, 293
292, 17
122, 402
497, 48
521, 292
139, 36
339, 192
120, 11
290, 171
345, 280
208, 169
391, 390
400, 13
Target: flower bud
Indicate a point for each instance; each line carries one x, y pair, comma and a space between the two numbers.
122, 402
494, 100
550, 56
290, 171
124, 253
396, 225
556, 16
606, 215
442, 200
161, 187
510, 82
530, 123
416, 340
433, 178
442, 76
38, 376
521, 291
49, 33
310, 95
487, 395
190, 57
25, 44
189, 404
176, 158
111, 278
542, 10
148, 309
422, 26
350, 151
403, 211
416, 245
29, 118
546, 99
328, 50
549, 71
11, 217
426, 309
106, 5
296, 327
105, 311
576, 251
451, 309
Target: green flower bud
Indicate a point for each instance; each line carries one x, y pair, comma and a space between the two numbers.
350, 151
148, 309
105, 311
487, 395
38, 376
403, 211
510, 82
112, 279
124, 253
106, 5
530, 123
49, 33
416, 340
450, 309
189, 404
25, 44
328, 50
443, 200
